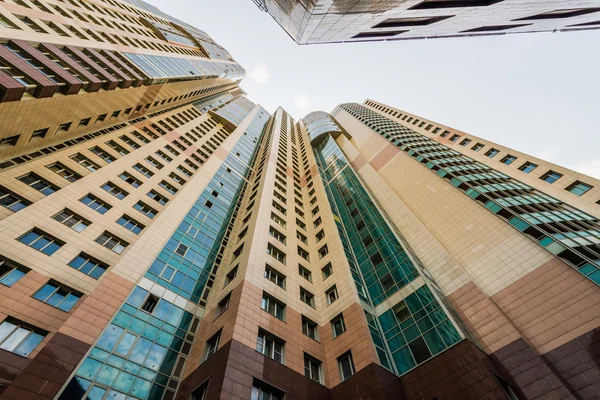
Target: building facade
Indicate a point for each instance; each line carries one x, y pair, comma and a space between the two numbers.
164, 237
327, 21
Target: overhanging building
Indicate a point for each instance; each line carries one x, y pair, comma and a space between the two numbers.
336, 21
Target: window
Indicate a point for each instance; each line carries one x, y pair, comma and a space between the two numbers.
551, 176
10, 272
58, 296
320, 235
310, 328
11, 140
95, 203
338, 326
102, 154
212, 345
263, 391
279, 208
127, 177
112, 242
301, 237
85, 162
465, 142
223, 305
154, 163
150, 303
130, 224
278, 219
491, 153
307, 297
303, 253
38, 183
273, 306
276, 253
117, 147
527, 167
72, 220
168, 187
39, 133
318, 222
200, 392
454, 138
327, 270
508, 159
478, 147
231, 275
177, 178
346, 366
275, 276
63, 171
11, 200
88, 265
323, 251
270, 345
41, 241
19, 337
312, 368
332, 294
143, 170
579, 188
159, 198
145, 209
115, 190
564, 13
433, 4
277, 235
238, 251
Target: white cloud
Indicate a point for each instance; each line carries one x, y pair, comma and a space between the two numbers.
591, 168
260, 73
303, 102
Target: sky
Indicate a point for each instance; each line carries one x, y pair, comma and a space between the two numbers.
537, 93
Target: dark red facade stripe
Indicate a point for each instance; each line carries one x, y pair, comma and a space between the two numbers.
94, 83
45, 87
72, 84
10, 89
126, 80
112, 82
138, 79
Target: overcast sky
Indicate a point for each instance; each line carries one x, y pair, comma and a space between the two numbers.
537, 93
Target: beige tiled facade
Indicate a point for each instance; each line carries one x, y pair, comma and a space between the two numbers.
161, 236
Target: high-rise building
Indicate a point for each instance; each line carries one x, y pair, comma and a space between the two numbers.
163, 237
335, 21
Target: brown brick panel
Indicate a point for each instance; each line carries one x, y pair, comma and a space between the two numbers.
530, 373
94, 83
551, 305
10, 89
112, 82
231, 371
126, 80
372, 382
45, 374
11, 366
138, 79
462, 372
578, 364
45, 87
72, 84
490, 327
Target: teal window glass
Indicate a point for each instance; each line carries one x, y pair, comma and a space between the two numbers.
579, 188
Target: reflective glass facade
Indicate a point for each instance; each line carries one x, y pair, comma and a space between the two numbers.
418, 327
145, 347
